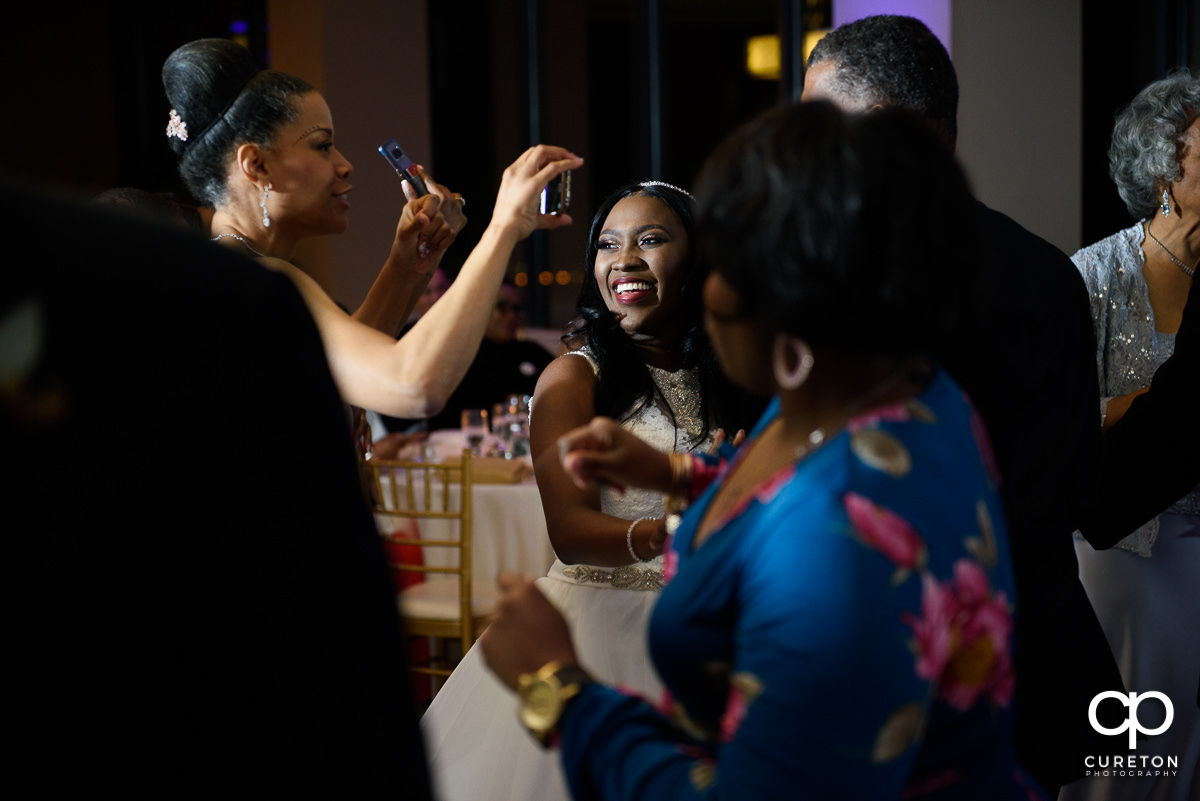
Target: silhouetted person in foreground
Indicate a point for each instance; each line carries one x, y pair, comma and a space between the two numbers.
198, 608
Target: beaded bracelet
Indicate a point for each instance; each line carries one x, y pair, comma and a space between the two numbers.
629, 539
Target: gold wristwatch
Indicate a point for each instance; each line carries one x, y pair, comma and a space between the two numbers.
544, 696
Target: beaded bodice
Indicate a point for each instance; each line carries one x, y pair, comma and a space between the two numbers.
670, 421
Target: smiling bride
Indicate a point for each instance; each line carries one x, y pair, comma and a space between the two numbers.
638, 354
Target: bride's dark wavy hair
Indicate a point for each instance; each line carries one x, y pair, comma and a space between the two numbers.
624, 385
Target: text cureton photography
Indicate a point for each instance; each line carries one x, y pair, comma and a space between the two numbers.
1131, 765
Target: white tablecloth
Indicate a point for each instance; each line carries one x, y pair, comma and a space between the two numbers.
508, 527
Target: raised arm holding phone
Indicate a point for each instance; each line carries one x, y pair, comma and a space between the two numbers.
258, 147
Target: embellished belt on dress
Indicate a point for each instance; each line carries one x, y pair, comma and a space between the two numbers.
620, 578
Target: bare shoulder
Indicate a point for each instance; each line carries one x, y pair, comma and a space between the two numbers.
570, 373
564, 399
565, 393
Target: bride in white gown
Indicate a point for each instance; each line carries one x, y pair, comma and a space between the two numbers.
639, 355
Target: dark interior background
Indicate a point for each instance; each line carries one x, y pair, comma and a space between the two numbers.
83, 82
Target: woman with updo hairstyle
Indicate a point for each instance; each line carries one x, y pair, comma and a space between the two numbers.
1143, 583
639, 355
837, 620
217, 86
258, 146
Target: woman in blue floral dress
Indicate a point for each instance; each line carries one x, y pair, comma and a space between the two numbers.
838, 617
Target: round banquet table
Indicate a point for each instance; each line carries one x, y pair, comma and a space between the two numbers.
508, 526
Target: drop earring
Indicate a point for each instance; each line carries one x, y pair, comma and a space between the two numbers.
263, 205
1166, 204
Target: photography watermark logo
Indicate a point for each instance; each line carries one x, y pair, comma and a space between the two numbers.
1131, 764
1133, 724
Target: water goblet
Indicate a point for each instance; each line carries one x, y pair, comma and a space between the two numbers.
501, 428
475, 429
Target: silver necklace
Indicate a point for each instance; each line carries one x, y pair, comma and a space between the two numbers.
1190, 272
241, 239
817, 437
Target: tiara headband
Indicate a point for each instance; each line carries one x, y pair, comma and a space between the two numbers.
177, 128
648, 184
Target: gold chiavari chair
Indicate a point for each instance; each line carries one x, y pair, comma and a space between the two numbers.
449, 605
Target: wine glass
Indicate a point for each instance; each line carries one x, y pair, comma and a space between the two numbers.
475, 429
518, 426
501, 429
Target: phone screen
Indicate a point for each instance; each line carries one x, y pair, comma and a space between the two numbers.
556, 197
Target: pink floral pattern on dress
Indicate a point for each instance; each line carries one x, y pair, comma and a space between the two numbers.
886, 532
704, 474
963, 637
744, 690
891, 413
735, 713
670, 561
763, 494
767, 491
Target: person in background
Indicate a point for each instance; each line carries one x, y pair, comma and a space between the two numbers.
439, 282
637, 353
504, 365
1146, 589
1025, 359
257, 146
835, 577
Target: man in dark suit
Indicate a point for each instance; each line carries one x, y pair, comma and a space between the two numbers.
1026, 357
202, 599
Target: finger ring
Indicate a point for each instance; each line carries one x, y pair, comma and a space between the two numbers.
462, 201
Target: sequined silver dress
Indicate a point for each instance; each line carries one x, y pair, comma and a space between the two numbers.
476, 747
1128, 349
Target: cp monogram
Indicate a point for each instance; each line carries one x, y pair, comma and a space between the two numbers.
1132, 723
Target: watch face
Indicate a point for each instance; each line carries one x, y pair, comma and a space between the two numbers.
540, 706
541, 699
544, 696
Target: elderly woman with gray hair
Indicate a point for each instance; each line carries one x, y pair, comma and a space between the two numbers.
1146, 590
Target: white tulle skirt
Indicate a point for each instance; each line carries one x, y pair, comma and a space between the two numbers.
478, 749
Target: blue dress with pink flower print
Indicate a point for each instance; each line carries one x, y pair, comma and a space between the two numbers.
844, 634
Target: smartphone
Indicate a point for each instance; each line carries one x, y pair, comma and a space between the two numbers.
403, 166
556, 197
